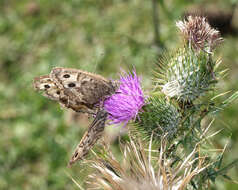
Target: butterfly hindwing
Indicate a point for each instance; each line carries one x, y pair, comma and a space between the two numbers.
94, 132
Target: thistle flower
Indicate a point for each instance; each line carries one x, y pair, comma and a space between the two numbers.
199, 33
125, 104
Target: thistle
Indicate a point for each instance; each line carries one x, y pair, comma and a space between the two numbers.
159, 117
198, 33
169, 119
189, 73
128, 100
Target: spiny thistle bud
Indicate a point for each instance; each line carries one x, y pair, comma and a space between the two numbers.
158, 117
188, 75
189, 72
197, 32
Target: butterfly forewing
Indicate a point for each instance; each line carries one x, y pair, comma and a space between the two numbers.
85, 87
49, 88
75, 89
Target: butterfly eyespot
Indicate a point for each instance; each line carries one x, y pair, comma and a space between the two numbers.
47, 86
66, 76
58, 92
76, 155
71, 85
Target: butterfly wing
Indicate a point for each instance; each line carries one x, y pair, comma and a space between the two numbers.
53, 90
49, 88
89, 88
94, 132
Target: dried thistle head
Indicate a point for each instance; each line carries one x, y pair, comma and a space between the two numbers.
143, 168
197, 32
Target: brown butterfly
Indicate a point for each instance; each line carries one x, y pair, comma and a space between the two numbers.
72, 88
82, 92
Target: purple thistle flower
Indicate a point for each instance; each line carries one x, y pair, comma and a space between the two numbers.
125, 104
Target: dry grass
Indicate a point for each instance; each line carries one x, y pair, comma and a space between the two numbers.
143, 168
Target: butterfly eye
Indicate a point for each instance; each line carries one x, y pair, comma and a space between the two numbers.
47, 86
66, 76
71, 85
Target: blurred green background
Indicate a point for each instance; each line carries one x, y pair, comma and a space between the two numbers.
37, 138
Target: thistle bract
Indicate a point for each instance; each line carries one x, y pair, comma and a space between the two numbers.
188, 75
125, 104
160, 118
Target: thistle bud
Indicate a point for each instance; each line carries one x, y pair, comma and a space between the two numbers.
158, 117
189, 72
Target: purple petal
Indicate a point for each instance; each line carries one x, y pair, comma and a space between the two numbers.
125, 104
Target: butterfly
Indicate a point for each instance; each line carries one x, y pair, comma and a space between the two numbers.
76, 89
82, 92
